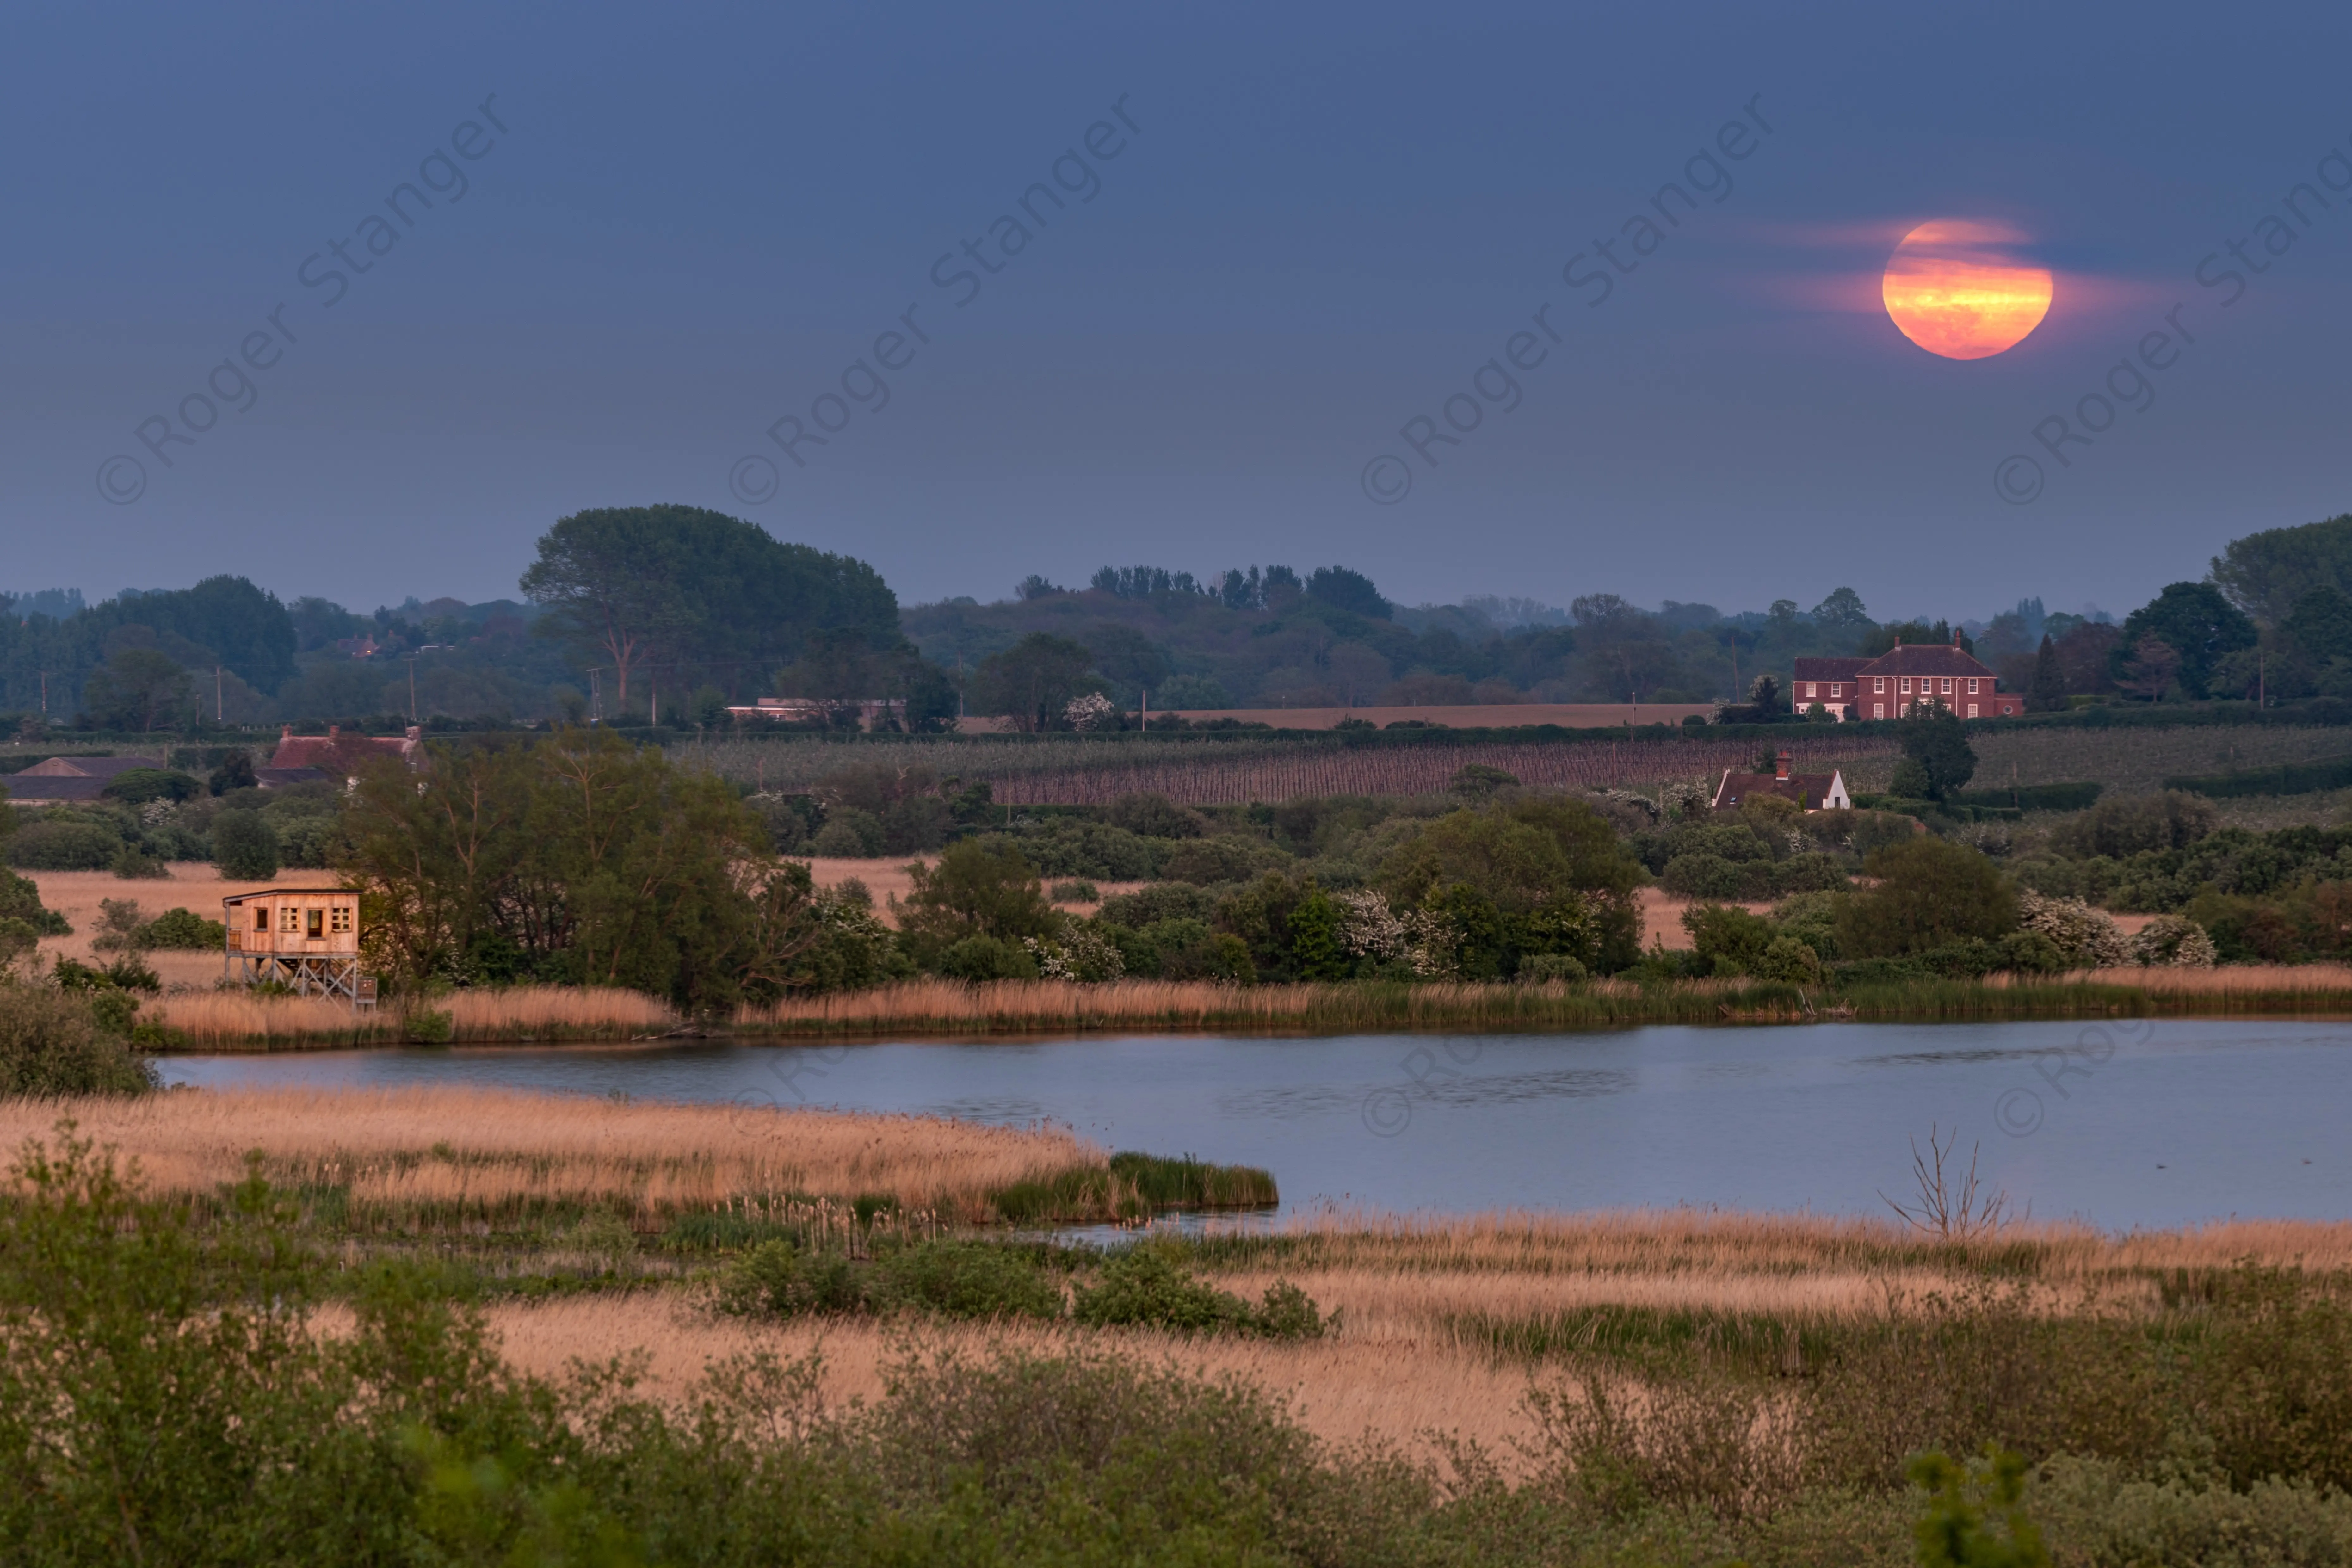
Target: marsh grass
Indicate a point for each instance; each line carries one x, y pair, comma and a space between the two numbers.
456, 1157
238, 1020
550, 1013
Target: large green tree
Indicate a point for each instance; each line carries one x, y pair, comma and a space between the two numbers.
2320, 625
2265, 574
1927, 892
138, 689
582, 859
2196, 621
681, 584
845, 666
1937, 756
1033, 682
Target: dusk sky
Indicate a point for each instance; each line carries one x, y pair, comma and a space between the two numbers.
653, 233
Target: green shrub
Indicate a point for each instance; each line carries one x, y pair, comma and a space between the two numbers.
182, 930
963, 1279
848, 834
1160, 901
1155, 817
2123, 826
1143, 1287
1809, 873
1702, 876
134, 864
1075, 849
65, 843
979, 958
1788, 961
1225, 857
54, 1042
1074, 893
1287, 1313
137, 786
1930, 892
17, 938
427, 1027
1544, 968
245, 845
776, 1279
1956, 1531
20, 899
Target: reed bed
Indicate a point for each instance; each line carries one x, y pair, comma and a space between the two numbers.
469, 1154
1722, 1244
549, 1013
242, 1020
1015, 1006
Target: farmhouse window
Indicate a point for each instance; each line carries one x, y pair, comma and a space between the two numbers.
315, 926
342, 919
1878, 709
261, 917
1972, 710
289, 921
1972, 686
1879, 683
1906, 685
1948, 685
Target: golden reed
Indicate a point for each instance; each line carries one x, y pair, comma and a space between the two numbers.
488, 1150
530, 1014
236, 1019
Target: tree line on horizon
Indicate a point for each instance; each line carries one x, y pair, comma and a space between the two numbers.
673, 613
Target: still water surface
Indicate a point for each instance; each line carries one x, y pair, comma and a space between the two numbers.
2126, 1124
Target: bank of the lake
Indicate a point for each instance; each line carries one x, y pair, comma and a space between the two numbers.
952, 1009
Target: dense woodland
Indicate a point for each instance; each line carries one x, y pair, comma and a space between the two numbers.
671, 614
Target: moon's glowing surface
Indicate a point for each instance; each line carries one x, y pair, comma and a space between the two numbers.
1956, 289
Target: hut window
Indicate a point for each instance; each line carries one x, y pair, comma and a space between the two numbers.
261, 916
342, 918
289, 919
316, 924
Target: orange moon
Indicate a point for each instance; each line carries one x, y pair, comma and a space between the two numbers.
1957, 290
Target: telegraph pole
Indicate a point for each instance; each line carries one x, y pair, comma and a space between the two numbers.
217, 695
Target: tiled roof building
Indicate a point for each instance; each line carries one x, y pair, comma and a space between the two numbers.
335, 752
1811, 792
1906, 675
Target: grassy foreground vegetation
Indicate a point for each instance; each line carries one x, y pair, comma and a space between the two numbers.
285, 1364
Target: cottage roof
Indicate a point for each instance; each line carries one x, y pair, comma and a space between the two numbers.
1808, 790
335, 750
1829, 668
88, 767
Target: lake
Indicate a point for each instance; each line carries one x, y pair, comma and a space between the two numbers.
2127, 1124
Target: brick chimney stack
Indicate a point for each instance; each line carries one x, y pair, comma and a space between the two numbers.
1780, 765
